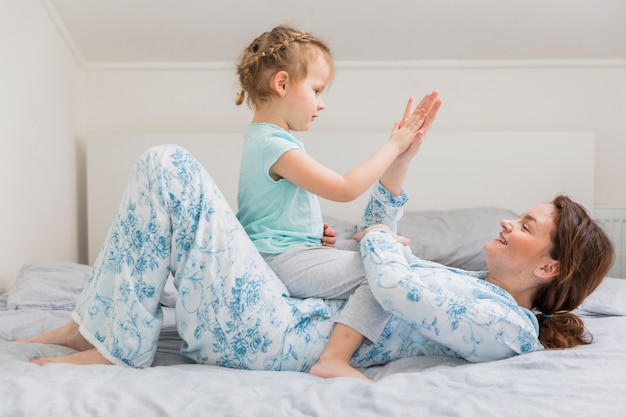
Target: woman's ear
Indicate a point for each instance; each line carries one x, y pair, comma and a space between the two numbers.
549, 270
279, 82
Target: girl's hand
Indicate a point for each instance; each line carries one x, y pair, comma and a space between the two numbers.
405, 133
360, 235
330, 236
430, 105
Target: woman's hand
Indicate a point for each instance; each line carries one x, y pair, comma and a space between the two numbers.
330, 236
360, 235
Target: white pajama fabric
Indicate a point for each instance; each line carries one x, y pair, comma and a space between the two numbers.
459, 312
233, 311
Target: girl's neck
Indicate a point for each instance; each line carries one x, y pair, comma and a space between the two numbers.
267, 116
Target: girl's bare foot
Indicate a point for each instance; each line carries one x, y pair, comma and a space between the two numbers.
67, 335
87, 357
329, 368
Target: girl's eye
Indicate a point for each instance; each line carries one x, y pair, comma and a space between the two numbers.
525, 227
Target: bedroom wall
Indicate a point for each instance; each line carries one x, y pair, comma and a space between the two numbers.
39, 123
49, 104
542, 95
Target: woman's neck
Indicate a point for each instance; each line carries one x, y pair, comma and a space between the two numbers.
523, 295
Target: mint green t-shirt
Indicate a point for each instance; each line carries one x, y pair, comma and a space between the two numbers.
277, 215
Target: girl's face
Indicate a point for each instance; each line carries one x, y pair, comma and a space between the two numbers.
303, 100
523, 246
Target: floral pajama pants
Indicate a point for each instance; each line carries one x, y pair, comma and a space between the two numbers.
233, 311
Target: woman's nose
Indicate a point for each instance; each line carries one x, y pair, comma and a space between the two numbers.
506, 225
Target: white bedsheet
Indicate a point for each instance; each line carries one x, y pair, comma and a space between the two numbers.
584, 381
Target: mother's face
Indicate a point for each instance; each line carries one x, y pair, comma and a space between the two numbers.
524, 244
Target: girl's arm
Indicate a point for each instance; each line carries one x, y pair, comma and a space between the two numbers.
300, 169
473, 318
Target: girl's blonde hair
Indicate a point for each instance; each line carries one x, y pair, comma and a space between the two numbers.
284, 48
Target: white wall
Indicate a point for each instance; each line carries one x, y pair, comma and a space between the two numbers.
39, 124
48, 105
491, 96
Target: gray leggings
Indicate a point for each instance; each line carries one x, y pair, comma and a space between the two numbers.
333, 273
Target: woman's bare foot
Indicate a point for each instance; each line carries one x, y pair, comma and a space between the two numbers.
87, 357
67, 335
331, 368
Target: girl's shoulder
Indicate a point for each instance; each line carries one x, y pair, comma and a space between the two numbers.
267, 133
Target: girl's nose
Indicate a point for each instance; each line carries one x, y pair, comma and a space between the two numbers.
506, 225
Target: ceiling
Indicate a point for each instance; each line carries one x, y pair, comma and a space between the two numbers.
209, 31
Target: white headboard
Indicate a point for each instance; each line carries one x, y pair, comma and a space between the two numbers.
514, 170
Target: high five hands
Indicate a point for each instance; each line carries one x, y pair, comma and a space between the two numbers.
417, 122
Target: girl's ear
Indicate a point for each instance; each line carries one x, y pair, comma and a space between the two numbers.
279, 82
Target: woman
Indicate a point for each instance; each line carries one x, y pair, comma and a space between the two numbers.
233, 311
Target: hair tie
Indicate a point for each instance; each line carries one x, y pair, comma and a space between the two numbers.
547, 316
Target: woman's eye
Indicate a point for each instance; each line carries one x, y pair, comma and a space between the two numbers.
525, 227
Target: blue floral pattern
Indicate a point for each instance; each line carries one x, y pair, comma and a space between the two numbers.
383, 208
456, 312
233, 311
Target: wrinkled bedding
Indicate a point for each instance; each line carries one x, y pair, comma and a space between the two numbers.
584, 381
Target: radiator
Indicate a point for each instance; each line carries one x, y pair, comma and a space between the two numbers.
614, 222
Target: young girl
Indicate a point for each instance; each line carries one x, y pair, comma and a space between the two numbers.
283, 73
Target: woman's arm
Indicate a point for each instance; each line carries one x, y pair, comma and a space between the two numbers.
394, 176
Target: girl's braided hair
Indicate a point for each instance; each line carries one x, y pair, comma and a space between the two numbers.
284, 48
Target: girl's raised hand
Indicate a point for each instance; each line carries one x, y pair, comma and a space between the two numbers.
430, 105
405, 133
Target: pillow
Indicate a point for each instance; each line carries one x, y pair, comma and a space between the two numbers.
57, 285
48, 285
608, 299
453, 237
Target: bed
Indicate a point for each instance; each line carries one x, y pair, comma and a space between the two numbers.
448, 228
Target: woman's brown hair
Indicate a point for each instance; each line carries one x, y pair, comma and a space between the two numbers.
284, 48
585, 254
